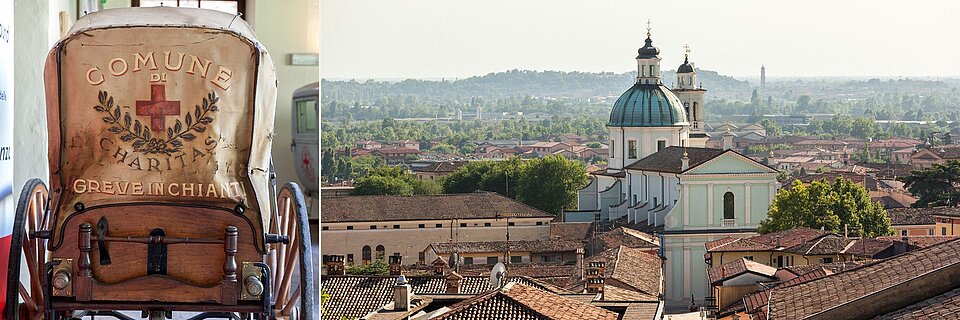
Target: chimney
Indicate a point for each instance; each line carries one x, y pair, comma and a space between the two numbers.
845, 231
401, 294
396, 268
595, 278
334, 264
771, 160
727, 140
685, 161
580, 262
439, 266
453, 282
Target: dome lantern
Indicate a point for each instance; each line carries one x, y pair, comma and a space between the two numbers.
648, 61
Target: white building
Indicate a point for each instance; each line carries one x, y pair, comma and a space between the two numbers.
661, 178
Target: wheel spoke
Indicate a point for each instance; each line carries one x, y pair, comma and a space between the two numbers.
26, 298
288, 275
287, 259
293, 302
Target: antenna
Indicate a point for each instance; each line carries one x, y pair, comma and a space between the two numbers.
498, 275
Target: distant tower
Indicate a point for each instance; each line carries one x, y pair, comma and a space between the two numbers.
691, 95
459, 114
763, 77
478, 113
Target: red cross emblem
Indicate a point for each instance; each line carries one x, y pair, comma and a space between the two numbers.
307, 168
158, 107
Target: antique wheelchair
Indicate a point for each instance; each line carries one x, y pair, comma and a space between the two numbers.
162, 194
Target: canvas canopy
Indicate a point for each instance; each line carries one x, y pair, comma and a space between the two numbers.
160, 105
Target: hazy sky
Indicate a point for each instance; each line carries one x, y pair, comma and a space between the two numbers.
453, 38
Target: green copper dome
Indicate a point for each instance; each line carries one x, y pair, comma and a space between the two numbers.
648, 105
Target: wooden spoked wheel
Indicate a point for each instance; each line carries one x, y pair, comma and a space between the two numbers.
292, 283
31, 216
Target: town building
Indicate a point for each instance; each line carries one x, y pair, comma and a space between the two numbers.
409, 144
437, 169
907, 222
660, 176
619, 284
797, 247
493, 252
394, 155
365, 228
368, 144
920, 284
927, 157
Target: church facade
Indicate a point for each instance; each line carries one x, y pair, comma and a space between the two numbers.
661, 177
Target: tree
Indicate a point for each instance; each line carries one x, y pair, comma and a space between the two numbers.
393, 181
551, 184
503, 177
772, 127
803, 103
828, 206
467, 178
382, 185
376, 268
935, 186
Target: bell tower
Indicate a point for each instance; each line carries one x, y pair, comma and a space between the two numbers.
690, 92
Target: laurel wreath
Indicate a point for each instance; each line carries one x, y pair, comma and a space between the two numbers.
130, 129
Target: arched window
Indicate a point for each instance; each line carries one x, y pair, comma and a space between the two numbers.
728, 205
380, 252
366, 254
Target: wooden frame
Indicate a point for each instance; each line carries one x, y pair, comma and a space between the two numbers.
241, 5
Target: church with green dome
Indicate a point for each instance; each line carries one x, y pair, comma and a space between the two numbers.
661, 179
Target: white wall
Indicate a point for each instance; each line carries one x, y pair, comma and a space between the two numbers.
285, 27
31, 43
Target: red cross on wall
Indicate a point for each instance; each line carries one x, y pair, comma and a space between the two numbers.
158, 107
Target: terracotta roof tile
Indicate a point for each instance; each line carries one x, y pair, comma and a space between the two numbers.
922, 241
518, 301
919, 216
355, 296
738, 267
669, 159
504, 246
627, 268
764, 242
938, 307
473, 205
571, 230
623, 236
805, 299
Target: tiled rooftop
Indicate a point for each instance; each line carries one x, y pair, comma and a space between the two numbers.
504, 246
630, 269
944, 306
623, 236
571, 230
356, 296
518, 301
919, 216
669, 159
426, 207
809, 298
738, 267
764, 242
